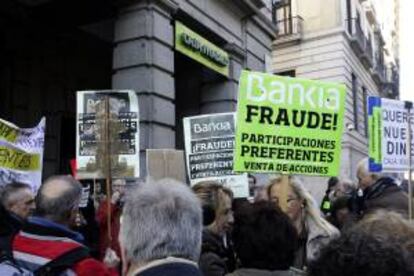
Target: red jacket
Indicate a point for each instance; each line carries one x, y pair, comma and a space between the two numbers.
37, 245
102, 219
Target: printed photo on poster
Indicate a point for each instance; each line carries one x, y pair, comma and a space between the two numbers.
118, 112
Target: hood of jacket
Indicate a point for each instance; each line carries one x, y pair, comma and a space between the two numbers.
383, 185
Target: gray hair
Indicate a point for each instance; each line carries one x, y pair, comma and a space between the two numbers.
161, 219
58, 208
348, 185
8, 193
363, 167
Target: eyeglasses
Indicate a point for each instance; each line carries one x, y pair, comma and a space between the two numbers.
289, 200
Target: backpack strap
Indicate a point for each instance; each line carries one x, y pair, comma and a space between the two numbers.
63, 262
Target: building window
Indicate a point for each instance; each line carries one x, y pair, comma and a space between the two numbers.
364, 101
288, 73
355, 100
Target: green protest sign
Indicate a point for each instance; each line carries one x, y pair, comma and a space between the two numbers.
375, 134
288, 125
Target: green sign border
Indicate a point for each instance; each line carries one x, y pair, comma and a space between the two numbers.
200, 49
270, 86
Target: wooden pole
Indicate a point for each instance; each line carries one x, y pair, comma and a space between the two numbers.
94, 192
108, 173
284, 188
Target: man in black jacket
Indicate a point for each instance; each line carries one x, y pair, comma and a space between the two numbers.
380, 192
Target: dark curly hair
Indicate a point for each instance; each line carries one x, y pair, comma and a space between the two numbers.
264, 237
358, 253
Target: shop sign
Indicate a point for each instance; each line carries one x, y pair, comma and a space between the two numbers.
198, 48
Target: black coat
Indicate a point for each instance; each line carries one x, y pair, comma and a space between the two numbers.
9, 226
171, 269
215, 259
386, 194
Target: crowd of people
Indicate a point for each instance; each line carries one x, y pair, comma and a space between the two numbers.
168, 228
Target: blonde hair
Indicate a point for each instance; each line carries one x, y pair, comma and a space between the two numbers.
311, 210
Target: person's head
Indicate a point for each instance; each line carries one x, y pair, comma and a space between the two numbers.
261, 194
252, 184
364, 176
340, 211
264, 237
346, 187
18, 199
295, 197
300, 203
359, 253
118, 185
216, 199
118, 188
160, 219
332, 182
58, 199
391, 225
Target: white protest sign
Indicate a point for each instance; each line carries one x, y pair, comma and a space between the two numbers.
122, 119
85, 196
209, 146
21, 153
388, 135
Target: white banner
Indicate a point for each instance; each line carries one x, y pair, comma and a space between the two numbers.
209, 147
85, 196
21, 153
91, 145
388, 129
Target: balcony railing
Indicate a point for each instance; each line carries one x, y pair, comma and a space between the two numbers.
357, 35
291, 26
378, 72
367, 54
391, 87
361, 45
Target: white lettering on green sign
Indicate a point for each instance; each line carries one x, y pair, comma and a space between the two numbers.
288, 125
200, 49
205, 50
